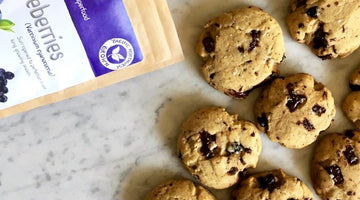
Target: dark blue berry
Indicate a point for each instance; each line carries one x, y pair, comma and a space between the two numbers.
4, 89
3, 99
3, 81
9, 75
2, 71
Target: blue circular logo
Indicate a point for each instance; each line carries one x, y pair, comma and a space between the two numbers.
116, 53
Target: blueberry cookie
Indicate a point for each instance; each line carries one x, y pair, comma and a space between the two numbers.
181, 190
335, 168
329, 27
217, 148
272, 185
351, 107
294, 110
241, 50
354, 82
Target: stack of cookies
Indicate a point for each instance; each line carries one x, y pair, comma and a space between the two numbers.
242, 50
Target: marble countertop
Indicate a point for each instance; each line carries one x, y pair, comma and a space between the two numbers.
118, 142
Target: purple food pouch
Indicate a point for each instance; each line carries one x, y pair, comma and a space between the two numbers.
106, 33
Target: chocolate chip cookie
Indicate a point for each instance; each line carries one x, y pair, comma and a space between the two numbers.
272, 185
329, 27
294, 110
217, 148
241, 49
179, 189
351, 107
335, 168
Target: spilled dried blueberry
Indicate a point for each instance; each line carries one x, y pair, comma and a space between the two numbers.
3, 99
9, 75
4, 76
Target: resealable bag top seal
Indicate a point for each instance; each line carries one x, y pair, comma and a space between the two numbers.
52, 50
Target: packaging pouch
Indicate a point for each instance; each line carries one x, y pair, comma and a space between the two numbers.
51, 50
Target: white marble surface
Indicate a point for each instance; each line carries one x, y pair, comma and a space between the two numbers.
119, 142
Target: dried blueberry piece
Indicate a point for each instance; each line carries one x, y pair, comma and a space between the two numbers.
2, 71
335, 173
206, 140
354, 87
209, 44
350, 156
233, 171
3, 98
300, 3
234, 147
4, 89
307, 125
255, 39
301, 25
294, 100
319, 110
269, 182
9, 75
320, 38
312, 12
263, 122
3, 81
2, 76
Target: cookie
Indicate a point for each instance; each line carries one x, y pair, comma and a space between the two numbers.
217, 148
294, 110
354, 82
329, 27
241, 50
351, 107
272, 185
335, 168
181, 190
